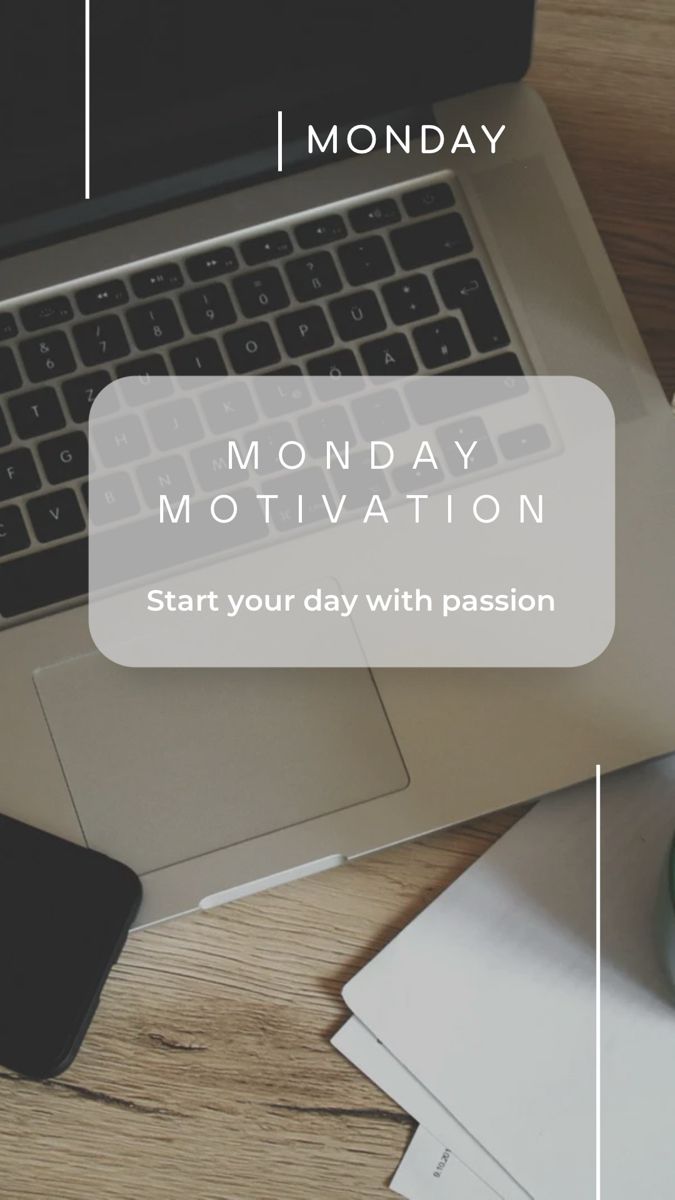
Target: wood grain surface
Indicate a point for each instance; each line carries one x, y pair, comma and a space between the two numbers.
207, 1074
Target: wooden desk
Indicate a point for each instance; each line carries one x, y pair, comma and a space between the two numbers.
207, 1074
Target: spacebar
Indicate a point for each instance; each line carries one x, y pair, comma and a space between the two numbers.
48, 577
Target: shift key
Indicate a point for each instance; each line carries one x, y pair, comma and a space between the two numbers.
463, 285
51, 576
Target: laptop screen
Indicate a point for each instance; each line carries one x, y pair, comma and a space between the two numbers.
191, 85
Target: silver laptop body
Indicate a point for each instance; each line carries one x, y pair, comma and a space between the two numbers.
163, 768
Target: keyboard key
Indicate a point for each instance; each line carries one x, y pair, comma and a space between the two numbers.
428, 199
119, 550
55, 515
357, 315
13, 532
466, 432
101, 340
360, 482
366, 260
432, 405
329, 424
45, 357
305, 332
411, 480
337, 364
53, 311
284, 393
441, 342
210, 263
498, 365
341, 371
207, 308
154, 324
313, 276
389, 356
379, 414
270, 439
431, 241
156, 280
113, 498
10, 378
503, 379
312, 485
463, 285
5, 435
266, 247
320, 231
169, 477
531, 439
36, 413
145, 379
8, 326
174, 424
228, 406
409, 299
81, 392
49, 577
261, 292
252, 348
374, 215
18, 474
198, 358
216, 468
100, 296
65, 457
120, 441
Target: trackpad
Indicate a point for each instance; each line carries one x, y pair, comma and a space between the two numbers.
166, 765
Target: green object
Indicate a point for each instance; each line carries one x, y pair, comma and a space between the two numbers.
667, 914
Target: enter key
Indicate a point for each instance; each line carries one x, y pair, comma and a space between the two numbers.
463, 285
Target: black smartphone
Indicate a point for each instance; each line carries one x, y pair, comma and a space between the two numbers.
65, 912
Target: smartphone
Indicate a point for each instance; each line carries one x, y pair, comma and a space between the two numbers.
65, 912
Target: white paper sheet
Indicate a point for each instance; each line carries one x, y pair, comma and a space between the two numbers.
372, 1058
430, 1171
488, 998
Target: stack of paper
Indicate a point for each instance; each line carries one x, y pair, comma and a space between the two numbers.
480, 1018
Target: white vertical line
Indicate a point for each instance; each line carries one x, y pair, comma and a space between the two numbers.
87, 69
280, 140
598, 984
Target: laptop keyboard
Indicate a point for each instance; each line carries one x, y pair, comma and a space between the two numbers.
327, 296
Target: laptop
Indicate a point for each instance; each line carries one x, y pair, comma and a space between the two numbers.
212, 784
